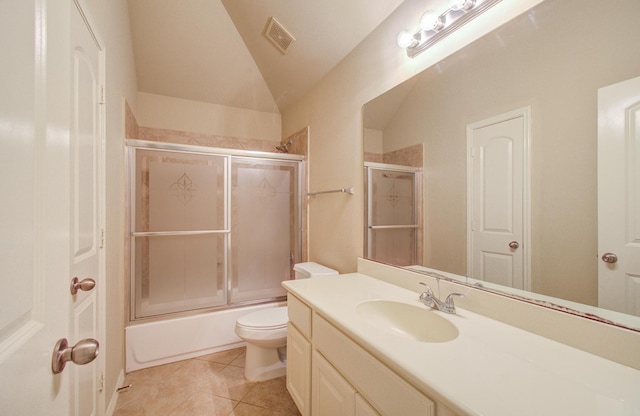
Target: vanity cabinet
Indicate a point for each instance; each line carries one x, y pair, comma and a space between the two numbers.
299, 354
328, 374
299, 369
331, 394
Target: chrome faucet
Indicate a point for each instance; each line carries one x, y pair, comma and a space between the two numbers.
430, 299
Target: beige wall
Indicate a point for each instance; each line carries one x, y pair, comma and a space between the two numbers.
170, 113
333, 112
112, 21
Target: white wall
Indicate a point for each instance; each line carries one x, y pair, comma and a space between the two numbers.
332, 109
197, 117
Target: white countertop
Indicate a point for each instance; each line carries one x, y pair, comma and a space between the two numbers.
490, 369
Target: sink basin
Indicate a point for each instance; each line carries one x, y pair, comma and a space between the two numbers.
408, 321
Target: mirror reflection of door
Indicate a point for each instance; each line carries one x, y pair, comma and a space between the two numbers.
497, 186
392, 213
619, 197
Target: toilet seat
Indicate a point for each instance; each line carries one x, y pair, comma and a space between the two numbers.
272, 318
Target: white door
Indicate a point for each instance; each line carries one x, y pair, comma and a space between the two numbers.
86, 165
619, 197
498, 184
36, 223
34, 252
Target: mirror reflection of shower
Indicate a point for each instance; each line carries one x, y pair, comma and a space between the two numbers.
284, 148
393, 230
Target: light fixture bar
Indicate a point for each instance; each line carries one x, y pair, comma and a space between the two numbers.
454, 20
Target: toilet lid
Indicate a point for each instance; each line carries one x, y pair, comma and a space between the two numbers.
271, 318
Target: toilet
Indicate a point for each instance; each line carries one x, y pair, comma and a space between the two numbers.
265, 332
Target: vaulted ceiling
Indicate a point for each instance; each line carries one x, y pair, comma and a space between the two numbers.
215, 51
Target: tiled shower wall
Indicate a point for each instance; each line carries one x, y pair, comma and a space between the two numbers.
408, 156
299, 139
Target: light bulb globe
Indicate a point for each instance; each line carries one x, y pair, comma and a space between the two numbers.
431, 21
463, 5
405, 39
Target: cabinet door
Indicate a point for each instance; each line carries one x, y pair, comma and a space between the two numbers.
363, 408
332, 395
299, 369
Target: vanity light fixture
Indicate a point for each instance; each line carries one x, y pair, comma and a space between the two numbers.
462, 4
431, 21
434, 26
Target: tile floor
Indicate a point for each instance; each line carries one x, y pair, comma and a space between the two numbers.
209, 385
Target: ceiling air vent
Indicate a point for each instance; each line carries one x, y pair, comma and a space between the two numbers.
278, 35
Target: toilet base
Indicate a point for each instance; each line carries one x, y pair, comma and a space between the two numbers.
264, 363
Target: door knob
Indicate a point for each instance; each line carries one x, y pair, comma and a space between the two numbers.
84, 285
609, 258
83, 352
514, 245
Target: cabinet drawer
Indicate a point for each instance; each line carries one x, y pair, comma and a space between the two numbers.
384, 389
299, 315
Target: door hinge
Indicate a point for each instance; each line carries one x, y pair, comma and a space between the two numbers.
101, 97
101, 382
101, 238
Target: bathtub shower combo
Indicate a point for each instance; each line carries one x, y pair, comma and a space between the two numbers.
213, 231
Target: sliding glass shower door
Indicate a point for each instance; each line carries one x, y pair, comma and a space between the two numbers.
178, 240
264, 227
209, 230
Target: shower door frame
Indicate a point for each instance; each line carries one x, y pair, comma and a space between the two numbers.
132, 145
369, 167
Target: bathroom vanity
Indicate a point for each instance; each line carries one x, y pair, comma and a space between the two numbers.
360, 345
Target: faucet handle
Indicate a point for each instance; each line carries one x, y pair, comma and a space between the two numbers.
428, 288
427, 294
449, 300
427, 297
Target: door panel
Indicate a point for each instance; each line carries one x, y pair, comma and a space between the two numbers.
331, 394
497, 194
34, 249
619, 196
86, 179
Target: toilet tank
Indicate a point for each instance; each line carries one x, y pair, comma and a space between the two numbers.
311, 269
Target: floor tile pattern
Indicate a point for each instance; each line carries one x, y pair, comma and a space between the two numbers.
209, 385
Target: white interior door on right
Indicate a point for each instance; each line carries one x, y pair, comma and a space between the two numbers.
497, 195
86, 201
619, 197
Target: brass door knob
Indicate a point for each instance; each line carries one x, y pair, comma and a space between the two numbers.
83, 352
84, 285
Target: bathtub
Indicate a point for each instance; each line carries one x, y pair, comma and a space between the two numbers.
160, 342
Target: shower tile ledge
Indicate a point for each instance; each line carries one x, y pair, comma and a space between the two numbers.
490, 369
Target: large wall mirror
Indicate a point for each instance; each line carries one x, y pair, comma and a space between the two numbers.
548, 66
